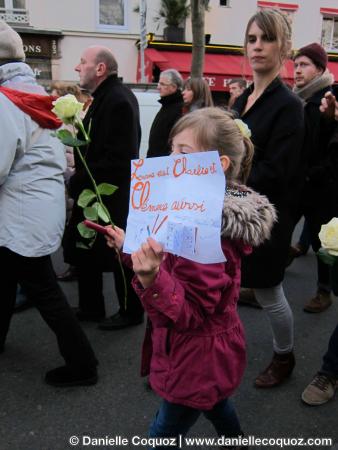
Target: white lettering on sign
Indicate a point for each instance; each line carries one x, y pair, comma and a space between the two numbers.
37, 72
54, 48
32, 48
211, 80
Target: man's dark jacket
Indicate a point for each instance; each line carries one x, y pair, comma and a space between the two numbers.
165, 119
318, 132
115, 138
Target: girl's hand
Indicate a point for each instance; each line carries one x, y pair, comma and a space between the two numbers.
329, 106
147, 261
116, 237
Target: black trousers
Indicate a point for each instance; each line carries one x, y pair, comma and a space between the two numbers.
37, 277
90, 284
315, 219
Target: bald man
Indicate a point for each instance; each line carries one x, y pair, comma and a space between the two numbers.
115, 138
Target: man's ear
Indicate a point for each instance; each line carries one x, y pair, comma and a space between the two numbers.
225, 162
101, 69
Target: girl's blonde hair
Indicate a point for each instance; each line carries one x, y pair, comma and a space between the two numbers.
216, 129
275, 26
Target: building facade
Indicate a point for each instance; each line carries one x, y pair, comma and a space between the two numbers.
56, 33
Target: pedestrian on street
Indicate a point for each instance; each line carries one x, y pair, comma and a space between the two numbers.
115, 135
32, 204
196, 94
324, 384
312, 81
236, 88
194, 346
274, 115
170, 88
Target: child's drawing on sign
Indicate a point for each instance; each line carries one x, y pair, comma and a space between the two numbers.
181, 239
156, 225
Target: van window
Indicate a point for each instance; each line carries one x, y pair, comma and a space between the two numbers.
149, 107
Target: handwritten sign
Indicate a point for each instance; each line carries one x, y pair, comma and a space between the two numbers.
178, 200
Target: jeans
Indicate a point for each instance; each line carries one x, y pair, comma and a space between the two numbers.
173, 420
38, 279
330, 359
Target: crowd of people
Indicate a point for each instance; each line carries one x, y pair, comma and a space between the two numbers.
278, 149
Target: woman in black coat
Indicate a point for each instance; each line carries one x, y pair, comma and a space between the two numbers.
275, 117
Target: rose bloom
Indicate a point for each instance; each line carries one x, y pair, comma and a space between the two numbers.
67, 108
245, 130
329, 236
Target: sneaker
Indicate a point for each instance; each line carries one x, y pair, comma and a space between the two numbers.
277, 371
65, 376
247, 298
320, 390
319, 303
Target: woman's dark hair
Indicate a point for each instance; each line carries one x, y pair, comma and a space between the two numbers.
201, 92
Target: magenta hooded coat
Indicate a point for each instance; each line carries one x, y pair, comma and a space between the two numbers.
194, 348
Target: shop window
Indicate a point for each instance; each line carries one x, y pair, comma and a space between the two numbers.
112, 15
330, 33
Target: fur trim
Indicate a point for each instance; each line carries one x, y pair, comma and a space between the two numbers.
247, 216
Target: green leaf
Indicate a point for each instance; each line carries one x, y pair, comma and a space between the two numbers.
103, 213
106, 189
86, 196
90, 213
325, 256
85, 232
67, 138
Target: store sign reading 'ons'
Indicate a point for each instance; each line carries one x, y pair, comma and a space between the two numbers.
40, 46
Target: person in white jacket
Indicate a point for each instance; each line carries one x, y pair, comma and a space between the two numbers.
32, 205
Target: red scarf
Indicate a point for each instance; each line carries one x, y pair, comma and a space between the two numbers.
38, 107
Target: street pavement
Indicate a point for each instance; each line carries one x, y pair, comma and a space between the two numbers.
36, 416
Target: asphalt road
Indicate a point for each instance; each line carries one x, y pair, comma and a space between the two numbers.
35, 416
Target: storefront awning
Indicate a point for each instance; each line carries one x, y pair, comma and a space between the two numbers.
218, 68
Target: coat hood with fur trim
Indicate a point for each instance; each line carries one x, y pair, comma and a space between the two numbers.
247, 216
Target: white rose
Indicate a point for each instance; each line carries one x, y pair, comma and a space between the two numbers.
243, 127
328, 236
67, 108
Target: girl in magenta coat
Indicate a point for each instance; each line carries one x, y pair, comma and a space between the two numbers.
194, 349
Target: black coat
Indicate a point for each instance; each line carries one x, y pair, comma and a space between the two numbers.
331, 169
165, 119
277, 124
318, 132
115, 138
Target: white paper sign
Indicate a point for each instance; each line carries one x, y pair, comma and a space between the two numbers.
178, 200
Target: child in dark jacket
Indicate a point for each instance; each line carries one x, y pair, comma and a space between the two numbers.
194, 349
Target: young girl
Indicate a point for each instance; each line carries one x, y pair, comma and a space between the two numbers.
274, 115
196, 354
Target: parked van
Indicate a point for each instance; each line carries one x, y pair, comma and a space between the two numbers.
149, 106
